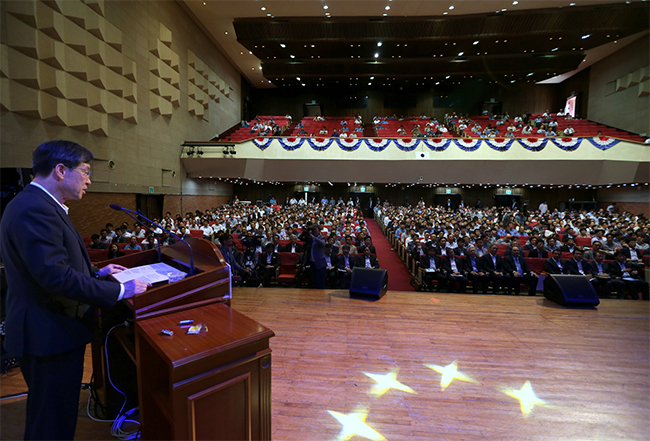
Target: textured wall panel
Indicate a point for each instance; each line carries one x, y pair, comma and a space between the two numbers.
155, 83
74, 36
176, 97
97, 74
644, 88
166, 91
24, 11
130, 112
74, 10
96, 5
114, 83
74, 63
165, 35
49, 21
19, 67
18, 98
115, 106
130, 90
98, 123
191, 59
129, 68
97, 98
21, 36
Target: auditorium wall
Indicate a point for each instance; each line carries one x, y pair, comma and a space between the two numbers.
130, 80
619, 88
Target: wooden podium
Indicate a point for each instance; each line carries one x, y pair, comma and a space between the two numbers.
213, 385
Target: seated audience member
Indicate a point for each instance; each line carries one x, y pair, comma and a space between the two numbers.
569, 246
138, 232
555, 265
333, 244
453, 268
433, 270
630, 276
248, 261
166, 239
149, 241
330, 267
473, 270
367, 260
345, 263
606, 282
632, 255
268, 262
348, 241
569, 131
518, 272
577, 266
493, 267
104, 237
114, 251
208, 232
97, 244
293, 246
595, 248
133, 244
227, 251
367, 243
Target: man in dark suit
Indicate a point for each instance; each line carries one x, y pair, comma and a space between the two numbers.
493, 268
453, 267
624, 271
578, 266
432, 267
97, 244
474, 272
268, 262
633, 256
367, 260
344, 265
317, 253
555, 265
293, 246
367, 243
330, 267
518, 272
51, 287
605, 280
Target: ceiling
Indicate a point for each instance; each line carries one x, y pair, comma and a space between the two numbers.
387, 43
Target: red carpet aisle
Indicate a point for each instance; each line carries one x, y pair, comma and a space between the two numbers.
399, 279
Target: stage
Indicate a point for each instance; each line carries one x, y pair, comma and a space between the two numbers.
425, 366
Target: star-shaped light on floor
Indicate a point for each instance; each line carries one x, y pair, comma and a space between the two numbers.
526, 397
450, 373
353, 424
385, 382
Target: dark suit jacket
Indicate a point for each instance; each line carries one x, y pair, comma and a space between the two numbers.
340, 261
275, 260
467, 262
626, 252
614, 270
446, 264
425, 262
361, 262
48, 274
550, 266
510, 267
488, 264
571, 267
537, 254
287, 248
372, 249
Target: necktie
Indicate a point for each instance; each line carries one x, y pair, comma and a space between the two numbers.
474, 265
518, 265
368, 262
559, 264
600, 268
347, 261
494, 261
580, 268
453, 265
432, 263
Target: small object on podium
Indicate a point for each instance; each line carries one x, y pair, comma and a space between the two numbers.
186, 322
198, 328
167, 332
175, 276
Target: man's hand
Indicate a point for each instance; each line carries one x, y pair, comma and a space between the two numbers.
111, 268
133, 287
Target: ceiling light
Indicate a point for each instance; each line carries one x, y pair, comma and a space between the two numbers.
504, 10
437, 83
445, 13
554, 49
584, 37
572, 4
292, 56
387, 8
298, 78
282, 45
326, 7
385, 15
379, 43
377, 55
268, 15
447, 77
372, 78
451, 7
250, 52
226, 32
460, 54
263, 8
515, 2
475, 43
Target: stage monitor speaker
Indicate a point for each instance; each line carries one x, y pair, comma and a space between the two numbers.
570, 290
368, 282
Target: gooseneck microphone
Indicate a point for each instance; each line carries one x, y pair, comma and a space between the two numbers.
139, 214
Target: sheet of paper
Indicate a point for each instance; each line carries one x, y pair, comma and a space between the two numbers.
154, 273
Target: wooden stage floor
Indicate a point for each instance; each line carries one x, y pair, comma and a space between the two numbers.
425, 366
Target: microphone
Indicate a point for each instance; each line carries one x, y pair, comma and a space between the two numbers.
137, 213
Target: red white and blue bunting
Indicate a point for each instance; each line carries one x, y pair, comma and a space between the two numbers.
603, 142
406, 144
567, 144
499, 144
320, 144
533, 144
437, 144
468, 144
262, 143
377, 144
291, 143
349, 144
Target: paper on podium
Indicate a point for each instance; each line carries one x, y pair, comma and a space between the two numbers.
153, 273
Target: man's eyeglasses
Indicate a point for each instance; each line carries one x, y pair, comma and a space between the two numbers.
86, 173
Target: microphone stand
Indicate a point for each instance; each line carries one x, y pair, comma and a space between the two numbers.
139, 213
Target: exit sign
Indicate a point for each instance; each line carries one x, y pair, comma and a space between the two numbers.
151, 190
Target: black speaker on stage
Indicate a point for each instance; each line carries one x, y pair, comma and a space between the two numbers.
570, 290
368, 282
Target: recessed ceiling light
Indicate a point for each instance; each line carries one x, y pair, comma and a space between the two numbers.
451, 7
226, 32
282, 45
515, 2
292, 56
445, 13
326, 7
554, 49
504, 10
263, 8
385, 15
447, 77
376, 54
584, 37
372, 78
475, 43
298, 78
387, 8
250, 52
379, 44
268, 15
460, 54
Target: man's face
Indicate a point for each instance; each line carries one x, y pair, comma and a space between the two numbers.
493, 250
577, 255
597, 246
133, 240
479, 243
620, 257
366, 252
599, 257
75, 182
515, 252
556, 254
